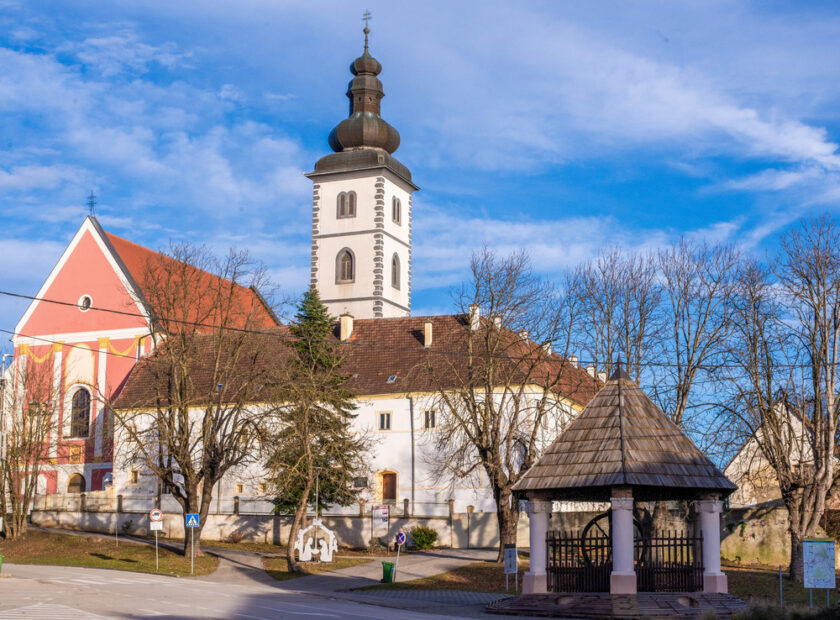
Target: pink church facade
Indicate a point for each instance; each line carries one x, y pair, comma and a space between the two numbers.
89, 353
88, 327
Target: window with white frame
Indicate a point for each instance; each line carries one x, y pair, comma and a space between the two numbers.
384, 420
80, 413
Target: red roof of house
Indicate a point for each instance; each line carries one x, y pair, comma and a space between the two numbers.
149, 270
388, 356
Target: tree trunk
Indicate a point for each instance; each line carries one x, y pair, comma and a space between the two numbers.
507, 514
659, 520
300, 513
797, 566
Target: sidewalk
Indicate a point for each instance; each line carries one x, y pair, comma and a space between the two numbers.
245, 568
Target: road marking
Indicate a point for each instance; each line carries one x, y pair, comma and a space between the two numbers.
298, 613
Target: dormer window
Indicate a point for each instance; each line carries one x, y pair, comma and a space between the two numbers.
396, 210
345, 268
346, 204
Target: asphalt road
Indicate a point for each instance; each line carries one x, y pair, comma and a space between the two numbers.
72, 593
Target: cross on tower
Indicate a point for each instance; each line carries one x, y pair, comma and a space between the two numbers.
91, 202
366, 17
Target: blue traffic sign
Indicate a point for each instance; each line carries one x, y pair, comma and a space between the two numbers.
192, 519
401, 539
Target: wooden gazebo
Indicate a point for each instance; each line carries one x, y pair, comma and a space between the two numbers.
622, 448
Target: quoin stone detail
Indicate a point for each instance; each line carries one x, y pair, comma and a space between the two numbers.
363, 164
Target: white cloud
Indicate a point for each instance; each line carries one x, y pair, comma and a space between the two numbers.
122, 51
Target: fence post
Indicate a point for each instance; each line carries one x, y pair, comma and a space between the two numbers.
119, 504
406, 508
451, 523
82, 502
361, 508
470, 509
236, 505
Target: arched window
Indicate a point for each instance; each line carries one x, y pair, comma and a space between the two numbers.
80, 414
395, 271
346, 204
345, 268
76, 484
396, 210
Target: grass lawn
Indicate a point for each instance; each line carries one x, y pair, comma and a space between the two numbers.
761, 586
477, 577
95, 552
279, 567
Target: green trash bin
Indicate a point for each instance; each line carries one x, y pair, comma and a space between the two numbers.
1, 562
387, 572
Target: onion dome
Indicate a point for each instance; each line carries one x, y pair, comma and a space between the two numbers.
364, 128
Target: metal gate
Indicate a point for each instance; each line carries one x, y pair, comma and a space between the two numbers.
578, 562
669, 562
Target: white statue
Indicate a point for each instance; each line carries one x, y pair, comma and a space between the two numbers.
305, 544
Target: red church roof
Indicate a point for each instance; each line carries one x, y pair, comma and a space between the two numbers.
147, 269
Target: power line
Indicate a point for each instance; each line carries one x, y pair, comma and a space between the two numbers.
290, 338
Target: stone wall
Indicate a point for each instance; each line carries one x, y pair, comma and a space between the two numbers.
460, 530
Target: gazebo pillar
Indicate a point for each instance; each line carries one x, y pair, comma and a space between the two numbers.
534, 580
623, 576
714, 580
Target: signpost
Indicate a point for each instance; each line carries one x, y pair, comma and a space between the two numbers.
379, 517
511, 566
156, 524
818, 560
400, 540
192, 522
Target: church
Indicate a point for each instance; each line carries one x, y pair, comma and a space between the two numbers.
90, 325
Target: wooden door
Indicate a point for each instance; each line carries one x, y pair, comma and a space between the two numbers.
389, 487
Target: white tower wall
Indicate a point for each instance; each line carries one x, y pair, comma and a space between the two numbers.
372, 236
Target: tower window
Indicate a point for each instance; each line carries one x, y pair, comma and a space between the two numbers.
395, 271
345, 270
346, 204
396, 210
80, 414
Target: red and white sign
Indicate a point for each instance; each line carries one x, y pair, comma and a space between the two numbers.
156, 515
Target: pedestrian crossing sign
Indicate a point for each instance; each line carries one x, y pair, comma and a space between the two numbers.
192, 519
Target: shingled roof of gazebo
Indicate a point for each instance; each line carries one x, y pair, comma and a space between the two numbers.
622, 438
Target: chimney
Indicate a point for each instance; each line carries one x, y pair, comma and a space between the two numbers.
427, 334
573, 360
475, 315
497, 322
602, 376
547, 347
591, 371
346, 327
524, 335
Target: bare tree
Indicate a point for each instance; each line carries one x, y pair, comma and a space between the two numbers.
497, 389
698, 280
618, 296
30, 403
193, 411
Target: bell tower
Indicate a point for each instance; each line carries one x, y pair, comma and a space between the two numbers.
361, 208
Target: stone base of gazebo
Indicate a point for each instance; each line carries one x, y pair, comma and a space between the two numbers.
605, 605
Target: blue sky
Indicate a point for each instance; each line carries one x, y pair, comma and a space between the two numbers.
561, 127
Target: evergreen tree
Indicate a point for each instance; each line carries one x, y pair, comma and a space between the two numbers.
315, 435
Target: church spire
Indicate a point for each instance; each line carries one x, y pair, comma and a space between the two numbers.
364, 127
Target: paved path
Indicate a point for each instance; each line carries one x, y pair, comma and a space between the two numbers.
72, 593
243, 570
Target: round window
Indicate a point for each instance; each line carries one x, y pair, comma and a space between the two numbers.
85, 302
